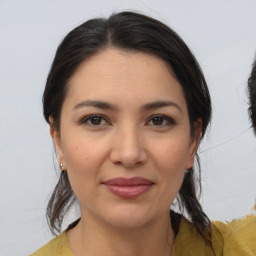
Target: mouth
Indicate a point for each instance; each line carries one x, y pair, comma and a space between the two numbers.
128, 188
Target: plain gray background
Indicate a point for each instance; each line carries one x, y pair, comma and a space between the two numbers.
222, 34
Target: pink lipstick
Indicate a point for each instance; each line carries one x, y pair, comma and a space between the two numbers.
128, 188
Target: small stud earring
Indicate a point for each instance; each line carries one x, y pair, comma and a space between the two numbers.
61, 165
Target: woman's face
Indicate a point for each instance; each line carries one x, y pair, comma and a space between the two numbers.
125, 137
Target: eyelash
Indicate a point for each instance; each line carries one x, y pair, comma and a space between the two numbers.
88, 118
168, 120
85, 120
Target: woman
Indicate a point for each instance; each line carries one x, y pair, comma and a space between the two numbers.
127, 106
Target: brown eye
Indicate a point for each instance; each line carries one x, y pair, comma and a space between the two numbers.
94, 120
161, 120
158, 120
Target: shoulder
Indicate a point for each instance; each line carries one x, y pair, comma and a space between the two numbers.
190, 242
237, 237
56, 247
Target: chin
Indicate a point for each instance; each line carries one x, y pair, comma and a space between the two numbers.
128, 218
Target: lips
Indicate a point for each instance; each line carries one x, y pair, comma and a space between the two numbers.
128, 188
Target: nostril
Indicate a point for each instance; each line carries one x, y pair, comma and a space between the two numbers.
128, 148
128, 160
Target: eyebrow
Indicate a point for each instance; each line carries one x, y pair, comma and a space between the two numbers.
109, 106
95, 103
161, 104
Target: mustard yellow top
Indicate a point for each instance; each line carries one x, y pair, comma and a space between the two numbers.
235, 238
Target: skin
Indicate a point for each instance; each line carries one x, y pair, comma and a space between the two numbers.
124, 140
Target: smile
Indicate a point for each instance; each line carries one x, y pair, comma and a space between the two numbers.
128, 188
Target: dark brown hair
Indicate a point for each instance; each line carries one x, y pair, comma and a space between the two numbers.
132, 32
252, 96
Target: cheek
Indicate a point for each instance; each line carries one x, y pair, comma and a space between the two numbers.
80, 153
171, 155
82, 161
171, 169
170, 160
84, 156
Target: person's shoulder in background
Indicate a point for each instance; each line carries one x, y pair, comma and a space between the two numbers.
239, 235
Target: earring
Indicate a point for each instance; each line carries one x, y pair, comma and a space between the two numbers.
61, 165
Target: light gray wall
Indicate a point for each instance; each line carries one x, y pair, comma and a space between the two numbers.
222, 34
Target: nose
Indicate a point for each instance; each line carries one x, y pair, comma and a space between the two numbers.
128, 148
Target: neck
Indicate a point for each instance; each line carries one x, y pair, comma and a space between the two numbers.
151, 239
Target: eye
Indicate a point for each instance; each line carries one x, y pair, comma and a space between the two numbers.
160, 120
94, 120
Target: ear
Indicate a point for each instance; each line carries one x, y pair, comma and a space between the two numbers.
55, 134
194, 142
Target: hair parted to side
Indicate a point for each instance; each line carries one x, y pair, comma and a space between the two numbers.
128, 31
252, 96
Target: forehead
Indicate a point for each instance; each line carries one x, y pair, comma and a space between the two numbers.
115, 75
